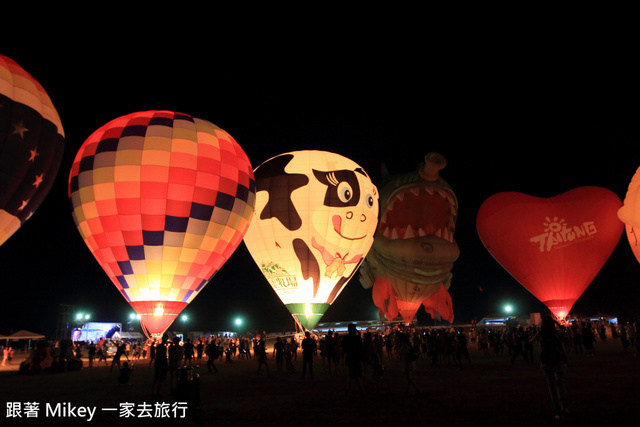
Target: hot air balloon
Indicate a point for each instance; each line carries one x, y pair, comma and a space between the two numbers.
31, 146
629, 214
555, 246
162, 200
316, 213
414, 250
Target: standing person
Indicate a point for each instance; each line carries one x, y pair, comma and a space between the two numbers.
518, 344
331, 351
462, 349
188, 350
152, 353
120, 351
308, 350
378, 371
211, 350
260, 353
407, 356
161, 366
588, 339
288, 356
353, 349
278, 353
176, 353
102, 354
92, 353
200, 350
576, 334
125, 374
553, 361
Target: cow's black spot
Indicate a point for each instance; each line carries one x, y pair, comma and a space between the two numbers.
308, 264
271, 177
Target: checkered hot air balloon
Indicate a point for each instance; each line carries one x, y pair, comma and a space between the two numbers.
31, 146
162, 200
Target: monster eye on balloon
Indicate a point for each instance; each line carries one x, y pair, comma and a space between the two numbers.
162, 200
316, 213
31, 146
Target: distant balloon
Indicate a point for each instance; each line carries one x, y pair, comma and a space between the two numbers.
414, 250
629, 213
316, 213
553, 247
31, 146
162, 200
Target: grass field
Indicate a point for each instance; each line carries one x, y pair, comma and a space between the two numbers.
602, 391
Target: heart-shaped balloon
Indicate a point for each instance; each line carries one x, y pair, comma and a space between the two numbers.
555, 246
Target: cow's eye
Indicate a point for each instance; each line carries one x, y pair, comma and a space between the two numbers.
369, 199
345, 193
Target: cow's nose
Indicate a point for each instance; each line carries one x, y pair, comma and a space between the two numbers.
363, 218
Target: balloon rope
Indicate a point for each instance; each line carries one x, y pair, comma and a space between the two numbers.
299, 326
144, 329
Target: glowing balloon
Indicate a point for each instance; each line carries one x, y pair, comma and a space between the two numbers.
439, 304
316, 213
553, 247
384, 297
162, 200
31, 146
414, 250
629, 213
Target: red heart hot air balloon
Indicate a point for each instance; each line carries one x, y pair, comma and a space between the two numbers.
162, 200
553, 247
31, 146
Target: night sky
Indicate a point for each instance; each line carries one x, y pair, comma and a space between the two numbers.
535, 119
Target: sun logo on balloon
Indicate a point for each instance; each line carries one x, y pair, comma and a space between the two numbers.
554, 226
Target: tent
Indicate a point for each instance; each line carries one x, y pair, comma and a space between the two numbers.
22, 335
25, 335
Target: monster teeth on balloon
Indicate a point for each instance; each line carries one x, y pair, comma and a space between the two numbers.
414, 249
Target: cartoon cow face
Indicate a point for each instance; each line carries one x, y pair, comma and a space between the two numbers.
317, 213
349, 205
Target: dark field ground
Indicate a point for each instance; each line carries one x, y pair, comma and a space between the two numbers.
602, 391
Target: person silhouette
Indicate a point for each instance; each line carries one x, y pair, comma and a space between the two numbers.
309, 346
161, 366
353, 349
125, 374
553, 361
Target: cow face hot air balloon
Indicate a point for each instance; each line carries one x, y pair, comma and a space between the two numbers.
31, 146
162, 200
316, 213
554, 247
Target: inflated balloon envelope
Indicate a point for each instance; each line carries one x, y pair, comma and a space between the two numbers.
555, 246
31, 146
162, 200
316, 213
629, 213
